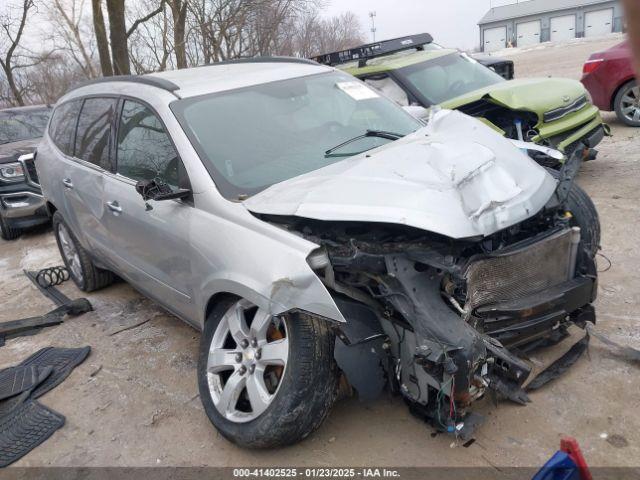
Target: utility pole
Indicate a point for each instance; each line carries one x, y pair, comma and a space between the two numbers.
372, 15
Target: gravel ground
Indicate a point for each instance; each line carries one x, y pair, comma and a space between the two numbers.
134, 401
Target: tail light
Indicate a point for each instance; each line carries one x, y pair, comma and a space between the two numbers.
592, 65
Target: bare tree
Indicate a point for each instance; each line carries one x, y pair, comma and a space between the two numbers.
150, 35
12, 30
67, 17
179, 13
150, 45
102, 42
118, 37
52, 77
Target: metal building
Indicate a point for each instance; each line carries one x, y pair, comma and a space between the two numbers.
534, 21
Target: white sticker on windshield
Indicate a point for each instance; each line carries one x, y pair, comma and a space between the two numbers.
357, 90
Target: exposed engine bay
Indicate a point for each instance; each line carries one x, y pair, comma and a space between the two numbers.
518, 125
444, 321
522, 125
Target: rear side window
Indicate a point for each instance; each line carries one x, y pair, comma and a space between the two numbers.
94, 131
145, 151
63, 126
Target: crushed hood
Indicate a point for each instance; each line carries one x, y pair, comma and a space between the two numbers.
455, 177
536, 95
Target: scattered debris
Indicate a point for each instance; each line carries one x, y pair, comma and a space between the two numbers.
617, 441
32, 325
46, 281
561, 365
622, 351
156, 417
128, 327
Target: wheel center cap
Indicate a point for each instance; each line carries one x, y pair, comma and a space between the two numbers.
250, 354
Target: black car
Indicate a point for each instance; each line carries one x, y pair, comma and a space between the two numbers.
21, 202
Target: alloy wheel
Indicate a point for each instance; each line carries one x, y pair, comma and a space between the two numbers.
246, 363
630, 104
70, 252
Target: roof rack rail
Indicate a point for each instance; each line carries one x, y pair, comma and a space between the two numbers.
262, 60
373, 50
162, 83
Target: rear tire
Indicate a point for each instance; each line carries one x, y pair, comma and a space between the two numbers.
584, 215
626, 98
81, 268
306, 387
7, 232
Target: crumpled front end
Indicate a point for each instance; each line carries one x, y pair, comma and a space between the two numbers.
440, 320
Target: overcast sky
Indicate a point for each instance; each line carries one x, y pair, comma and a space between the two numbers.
453, 23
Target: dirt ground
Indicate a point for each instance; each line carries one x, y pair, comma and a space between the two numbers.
134, 401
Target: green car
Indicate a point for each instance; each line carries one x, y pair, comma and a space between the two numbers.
414, 71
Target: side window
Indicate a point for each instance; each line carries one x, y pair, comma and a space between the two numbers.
62, 128
94, 130
145, 151
390, 88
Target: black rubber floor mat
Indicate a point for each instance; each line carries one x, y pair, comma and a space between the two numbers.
25, 427
62, 360
15, 380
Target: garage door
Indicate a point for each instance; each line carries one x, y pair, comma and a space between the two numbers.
528, 33
495, 39
563, 28
598, 23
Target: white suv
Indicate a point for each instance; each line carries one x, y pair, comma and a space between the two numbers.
311, 228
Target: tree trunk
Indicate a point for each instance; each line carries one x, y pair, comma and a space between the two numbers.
101, 38
179, 13
6, 62
118, 37
15, 91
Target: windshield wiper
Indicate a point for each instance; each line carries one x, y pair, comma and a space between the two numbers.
367, 134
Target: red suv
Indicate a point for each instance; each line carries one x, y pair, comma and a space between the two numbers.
609, 78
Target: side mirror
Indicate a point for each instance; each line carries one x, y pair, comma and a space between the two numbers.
417, 111
158, 190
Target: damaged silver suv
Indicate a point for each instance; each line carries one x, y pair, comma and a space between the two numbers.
312, 229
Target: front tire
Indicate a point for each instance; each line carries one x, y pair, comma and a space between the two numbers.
265, 381
82, 270
7, 232
627, 104
584, 215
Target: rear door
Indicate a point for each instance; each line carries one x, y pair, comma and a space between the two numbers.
528, 33
83, 180
149, 240
56, 158
495, 39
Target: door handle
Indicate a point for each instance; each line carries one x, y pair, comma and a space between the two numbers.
114, 207
67, 182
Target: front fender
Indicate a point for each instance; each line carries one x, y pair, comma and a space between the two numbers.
280, 294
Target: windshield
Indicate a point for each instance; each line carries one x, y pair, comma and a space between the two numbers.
447, 77
257, 136
22, 125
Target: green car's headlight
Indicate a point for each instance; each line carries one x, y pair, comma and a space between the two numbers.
12, 172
